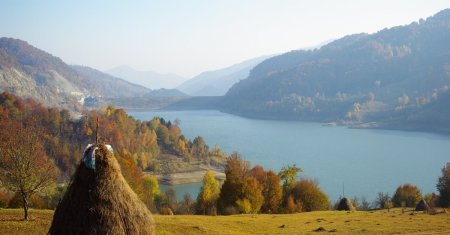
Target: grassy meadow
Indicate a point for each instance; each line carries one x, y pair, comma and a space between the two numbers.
335, 222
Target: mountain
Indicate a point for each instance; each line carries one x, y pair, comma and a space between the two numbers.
148, 79
108, 85
30, 72
217, 82
358, 78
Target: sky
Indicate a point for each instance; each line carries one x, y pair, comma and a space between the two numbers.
187, 37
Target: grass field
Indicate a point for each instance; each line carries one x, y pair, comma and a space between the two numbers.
335, 222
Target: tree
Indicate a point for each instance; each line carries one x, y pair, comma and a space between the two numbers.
407, 193
233, 188
381, 200
253, 193
24, 166
151, 190
272, 193
388, 205
186, 206
288, 175
209, 193
199, 148
171, 197
443, 186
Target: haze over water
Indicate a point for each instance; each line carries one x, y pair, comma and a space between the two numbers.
364, 161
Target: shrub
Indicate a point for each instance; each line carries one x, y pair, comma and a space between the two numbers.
310, 196
36, 202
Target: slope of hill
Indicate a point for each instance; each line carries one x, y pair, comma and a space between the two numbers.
29, 72
217, 82
151, 145
108, 85
148, 79
358, 78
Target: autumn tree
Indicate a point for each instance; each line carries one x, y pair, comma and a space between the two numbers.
409, 194
171, 199
209, 193
252, 191
199, 148
288, 175
232, 189
272, 193
151, 190
443, 186
271, 188
24, 166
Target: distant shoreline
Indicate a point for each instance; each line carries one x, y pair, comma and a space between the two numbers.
185, 177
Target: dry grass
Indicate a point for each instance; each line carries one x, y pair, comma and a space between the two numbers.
334, 222
11, 222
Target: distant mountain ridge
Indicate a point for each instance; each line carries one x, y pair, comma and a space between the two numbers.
217, 82
32, 73
147, 79
380, 77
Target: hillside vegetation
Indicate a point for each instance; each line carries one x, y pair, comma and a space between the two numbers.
397, 77
139, 146
337, 222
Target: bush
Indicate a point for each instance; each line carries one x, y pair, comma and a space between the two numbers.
4, 199
310, 196
292, 206
165, 211
230, 210
407, 193
244, 206
36, 202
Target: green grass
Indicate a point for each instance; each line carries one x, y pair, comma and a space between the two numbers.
335, 222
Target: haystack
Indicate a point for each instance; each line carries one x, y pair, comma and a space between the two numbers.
422, 206
99, 201
345, 205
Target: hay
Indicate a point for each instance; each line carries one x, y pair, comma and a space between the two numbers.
345, 205
101, 202
422, 206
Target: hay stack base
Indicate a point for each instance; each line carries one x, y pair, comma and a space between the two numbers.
101, 202
345, 205
422, 206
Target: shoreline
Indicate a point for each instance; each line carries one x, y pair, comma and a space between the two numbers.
185, 177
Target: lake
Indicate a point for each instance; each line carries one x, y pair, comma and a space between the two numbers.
362, 162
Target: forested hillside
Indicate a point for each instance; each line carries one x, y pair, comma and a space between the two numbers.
139, 146
360, 78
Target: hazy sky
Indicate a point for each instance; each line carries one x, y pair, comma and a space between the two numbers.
188, 37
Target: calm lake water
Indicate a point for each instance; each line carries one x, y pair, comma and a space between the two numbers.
365, 162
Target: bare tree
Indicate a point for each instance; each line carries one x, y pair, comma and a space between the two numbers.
24, 166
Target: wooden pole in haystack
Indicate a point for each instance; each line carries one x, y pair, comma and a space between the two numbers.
96, 133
